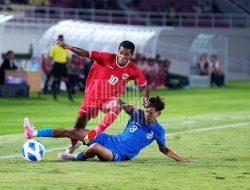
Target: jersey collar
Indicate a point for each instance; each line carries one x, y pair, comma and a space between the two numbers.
152, 124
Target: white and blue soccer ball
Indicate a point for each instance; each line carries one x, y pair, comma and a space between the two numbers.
33, 150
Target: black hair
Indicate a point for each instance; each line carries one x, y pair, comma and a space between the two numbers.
157, 102
128, 45
60, 36
9, 52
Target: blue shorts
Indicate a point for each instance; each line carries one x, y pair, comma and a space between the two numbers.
108, 142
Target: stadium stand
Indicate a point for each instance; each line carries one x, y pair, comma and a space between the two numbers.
143, 12
192, 14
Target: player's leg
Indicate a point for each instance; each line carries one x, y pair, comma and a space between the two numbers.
100, 151
55, 85
112, 109
68, 88
88, 110
95, 149
78, 134
65, 77
30, 132
46, 84
81, 122
56, 80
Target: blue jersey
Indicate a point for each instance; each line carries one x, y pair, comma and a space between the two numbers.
138, 134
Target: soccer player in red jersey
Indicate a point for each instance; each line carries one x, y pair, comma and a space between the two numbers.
105, 83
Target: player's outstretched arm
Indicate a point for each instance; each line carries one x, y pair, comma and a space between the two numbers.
128, 108
145, 99
171, 154
76, 50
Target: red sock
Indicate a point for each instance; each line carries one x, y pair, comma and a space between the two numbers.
73, 142
108, 119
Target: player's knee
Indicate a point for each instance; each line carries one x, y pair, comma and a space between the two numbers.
95, 147
116, 110
118, 102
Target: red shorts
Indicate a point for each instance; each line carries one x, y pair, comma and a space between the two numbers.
91, 107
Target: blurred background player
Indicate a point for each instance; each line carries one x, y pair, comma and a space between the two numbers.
142, 129
7, 64
47, 69
60, 57
217, 73
105, 83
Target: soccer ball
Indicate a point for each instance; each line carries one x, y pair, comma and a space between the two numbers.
33, 150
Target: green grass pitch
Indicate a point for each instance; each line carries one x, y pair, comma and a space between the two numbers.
210, 126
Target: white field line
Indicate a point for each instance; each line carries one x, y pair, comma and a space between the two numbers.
19, 155
209, 128
170, 134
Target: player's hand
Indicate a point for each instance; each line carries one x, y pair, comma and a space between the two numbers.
145, 102
62, 44
91, 136
129, 108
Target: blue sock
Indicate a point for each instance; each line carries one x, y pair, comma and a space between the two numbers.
80, 156
44, 133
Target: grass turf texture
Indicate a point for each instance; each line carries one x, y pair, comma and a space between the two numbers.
220, 157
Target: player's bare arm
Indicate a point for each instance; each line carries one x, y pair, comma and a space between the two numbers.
76, 50
145, 99
171, 154
128, 108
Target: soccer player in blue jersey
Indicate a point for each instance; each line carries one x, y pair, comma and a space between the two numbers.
141, 130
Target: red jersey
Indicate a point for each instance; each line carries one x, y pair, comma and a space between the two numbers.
107, 79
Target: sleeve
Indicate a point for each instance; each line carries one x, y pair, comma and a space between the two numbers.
4, 65
99, 57
160, 137
139, 77
52, 51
